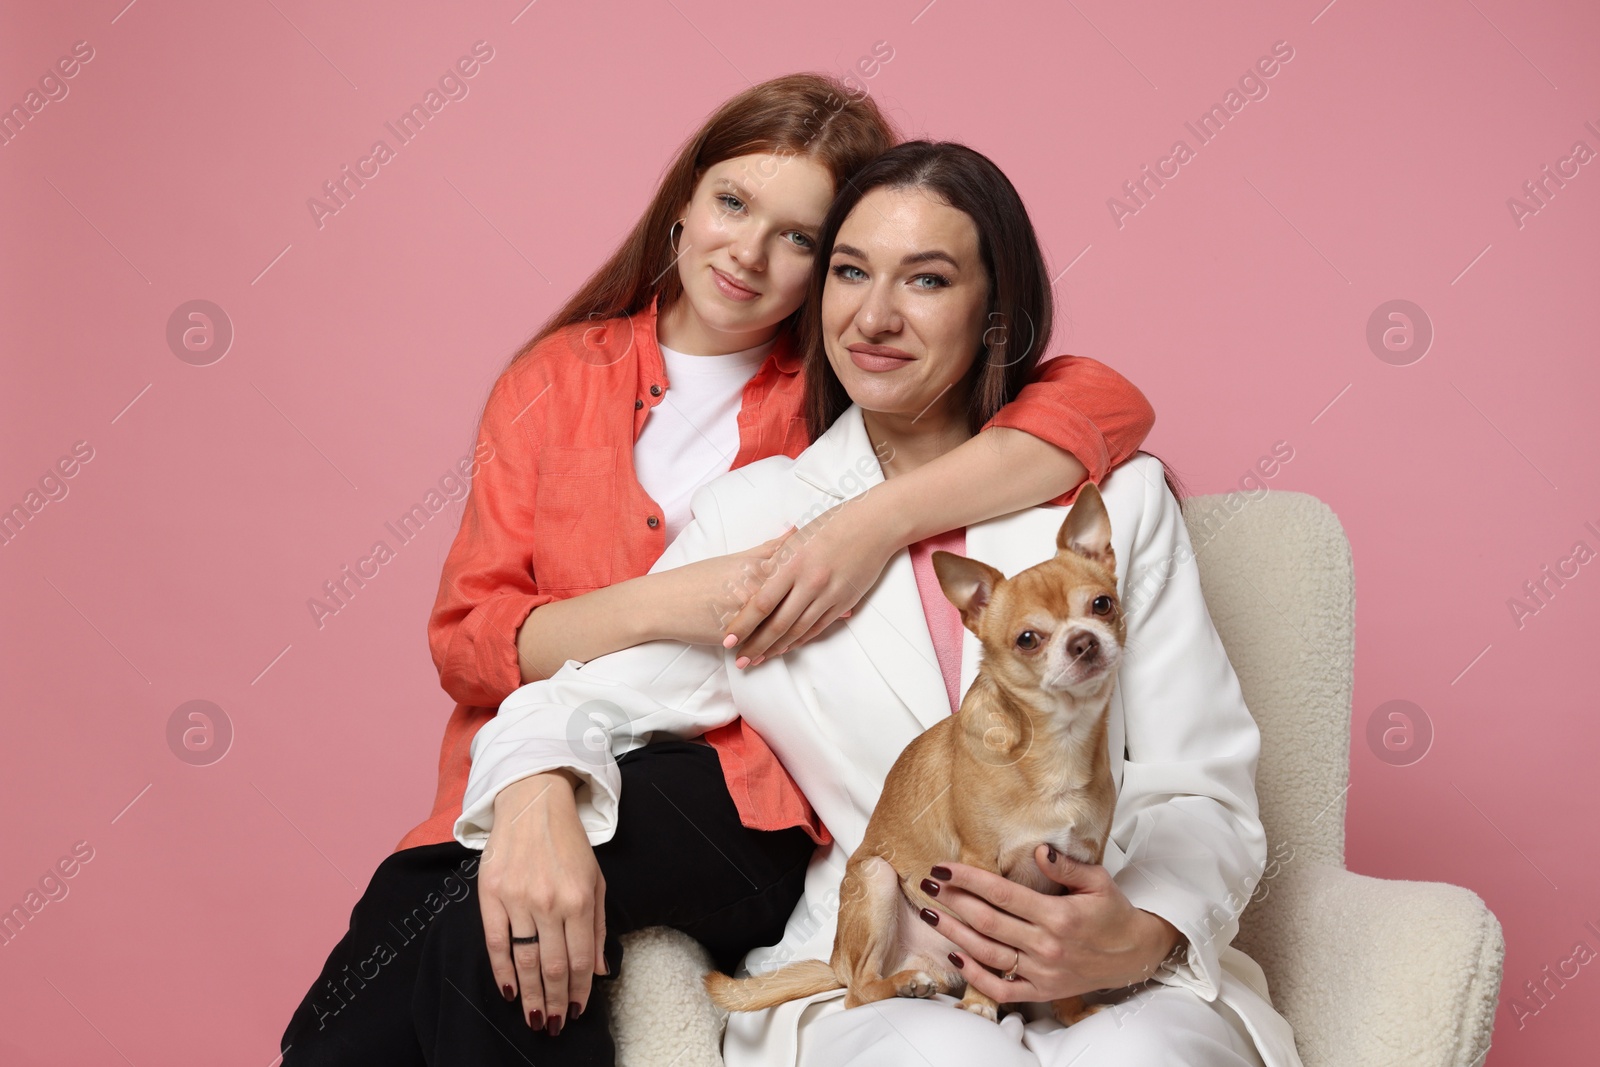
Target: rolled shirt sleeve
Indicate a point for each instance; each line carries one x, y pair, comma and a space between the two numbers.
1084, 407
487, 587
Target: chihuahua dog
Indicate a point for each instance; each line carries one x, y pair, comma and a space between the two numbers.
1023, 761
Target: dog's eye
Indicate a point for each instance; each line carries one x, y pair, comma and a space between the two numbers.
1102, 605
1027, 640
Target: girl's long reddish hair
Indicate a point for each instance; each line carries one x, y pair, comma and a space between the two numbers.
812, 115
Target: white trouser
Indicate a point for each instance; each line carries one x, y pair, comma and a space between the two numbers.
1148, 1025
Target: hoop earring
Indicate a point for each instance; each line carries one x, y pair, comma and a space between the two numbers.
672, 239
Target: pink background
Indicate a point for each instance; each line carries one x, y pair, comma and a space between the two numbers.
179, 563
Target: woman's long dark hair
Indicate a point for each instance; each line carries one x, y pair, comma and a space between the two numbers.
1020, 310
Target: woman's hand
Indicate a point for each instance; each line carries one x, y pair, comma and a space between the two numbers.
822, 571
694, 601
539, 876
1091, 939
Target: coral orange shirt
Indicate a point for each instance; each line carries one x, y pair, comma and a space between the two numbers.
555, 511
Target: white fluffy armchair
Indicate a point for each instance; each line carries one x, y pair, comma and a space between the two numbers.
1368, 971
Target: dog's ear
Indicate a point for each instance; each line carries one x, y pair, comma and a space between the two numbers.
967, 583
1086, 531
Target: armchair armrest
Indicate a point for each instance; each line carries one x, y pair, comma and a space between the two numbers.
1373, 971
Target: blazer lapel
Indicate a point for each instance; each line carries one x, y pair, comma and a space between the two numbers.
889, 624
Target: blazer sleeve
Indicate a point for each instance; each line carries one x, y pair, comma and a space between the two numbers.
488, 586
1187, 819
587, 714
1085, 407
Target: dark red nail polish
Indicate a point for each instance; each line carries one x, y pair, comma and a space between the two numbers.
929, 916
536, 1019
573, 1011
957, 961
553, 1027
930, 887
1051, 852
941, 873
507, 992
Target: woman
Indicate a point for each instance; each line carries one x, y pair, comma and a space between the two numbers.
589, 455
927, 246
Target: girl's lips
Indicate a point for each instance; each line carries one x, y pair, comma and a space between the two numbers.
875, 358
730, 288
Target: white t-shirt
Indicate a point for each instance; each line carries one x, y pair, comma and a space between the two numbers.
693, 434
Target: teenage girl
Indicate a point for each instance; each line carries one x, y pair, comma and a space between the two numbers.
587, 463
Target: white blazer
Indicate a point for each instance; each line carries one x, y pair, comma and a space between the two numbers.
1186, 841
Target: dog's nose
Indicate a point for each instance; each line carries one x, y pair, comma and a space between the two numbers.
1082, 644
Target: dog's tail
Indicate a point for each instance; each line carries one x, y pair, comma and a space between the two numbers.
790, 982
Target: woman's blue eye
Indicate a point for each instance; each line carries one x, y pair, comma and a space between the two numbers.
800, 241
731, 202
939, 280
843, 270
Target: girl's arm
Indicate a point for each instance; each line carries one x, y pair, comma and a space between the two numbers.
488, 586
663, 605
1078, 418
586, 714
493, 628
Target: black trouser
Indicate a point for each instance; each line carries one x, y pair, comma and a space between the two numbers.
410, 983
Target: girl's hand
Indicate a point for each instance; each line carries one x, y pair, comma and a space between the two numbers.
1070, 945
822, 571
539, 876
694, 601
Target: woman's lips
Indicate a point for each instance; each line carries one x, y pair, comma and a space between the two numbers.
730, 288
878, 357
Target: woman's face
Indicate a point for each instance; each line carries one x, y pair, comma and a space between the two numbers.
747, 243
903, 304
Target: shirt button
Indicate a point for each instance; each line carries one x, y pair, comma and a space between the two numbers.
653, 522
637, 404
655, 390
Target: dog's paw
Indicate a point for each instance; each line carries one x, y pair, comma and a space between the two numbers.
988, 1011
920, 984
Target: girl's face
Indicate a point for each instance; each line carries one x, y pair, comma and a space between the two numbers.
903, 304
746, 247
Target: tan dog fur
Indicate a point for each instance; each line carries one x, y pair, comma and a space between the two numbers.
1023, 761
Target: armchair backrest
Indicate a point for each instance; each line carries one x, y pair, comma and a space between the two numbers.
1280, 586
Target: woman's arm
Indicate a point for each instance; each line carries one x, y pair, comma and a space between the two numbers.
586, 714
1077, 418
1187, 818
545, 786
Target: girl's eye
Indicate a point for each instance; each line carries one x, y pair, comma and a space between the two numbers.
800, 240
843, 270
939, 281
1027, 640
731, 202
